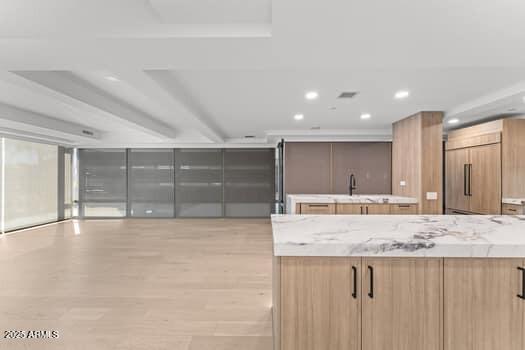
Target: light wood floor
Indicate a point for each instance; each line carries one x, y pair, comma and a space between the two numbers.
139, 284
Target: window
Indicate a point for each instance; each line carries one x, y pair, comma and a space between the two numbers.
30, 184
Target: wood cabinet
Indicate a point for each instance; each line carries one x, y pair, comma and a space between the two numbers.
402, 304
456, 171
379, 303
317, 208
355, 209
482, 309
485, 163
403, 209
363, 209
485, 179
473, 177
350, 209
370, 162
320, 303
330, 303
325, 167
513, 209
377, 209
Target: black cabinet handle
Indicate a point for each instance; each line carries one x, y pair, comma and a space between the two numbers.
367, 210
465, 170
318, 205
522, 295
371, 290
470, 180
354, 271
361, 210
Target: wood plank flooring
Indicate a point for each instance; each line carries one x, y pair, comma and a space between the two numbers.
184, 284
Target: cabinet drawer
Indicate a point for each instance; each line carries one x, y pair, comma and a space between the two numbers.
403, 209
317, 208
512, 209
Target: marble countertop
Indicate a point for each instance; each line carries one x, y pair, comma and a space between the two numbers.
293, 199
398, 235
516, 201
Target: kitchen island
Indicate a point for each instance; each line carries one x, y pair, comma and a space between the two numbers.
399, 282
359, 204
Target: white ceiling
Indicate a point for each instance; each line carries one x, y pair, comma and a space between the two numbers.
208, 73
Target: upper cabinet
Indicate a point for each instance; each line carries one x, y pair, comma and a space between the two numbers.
483, 165
370, 162
307, 167
325, 168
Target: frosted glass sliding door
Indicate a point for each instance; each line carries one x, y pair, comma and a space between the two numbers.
198, 178
103, 184
30, 184
151, 182
249, 182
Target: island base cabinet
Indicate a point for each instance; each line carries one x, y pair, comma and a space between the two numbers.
402, 303
482, 309
320, 303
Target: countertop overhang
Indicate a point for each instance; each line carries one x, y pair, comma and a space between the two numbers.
399, 235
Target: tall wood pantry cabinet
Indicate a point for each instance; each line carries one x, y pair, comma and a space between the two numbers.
483, 164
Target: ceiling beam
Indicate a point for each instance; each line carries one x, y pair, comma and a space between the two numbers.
70, 85
24, 121
162, 87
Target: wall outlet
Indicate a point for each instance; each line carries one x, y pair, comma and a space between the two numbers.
402, 183
432, 196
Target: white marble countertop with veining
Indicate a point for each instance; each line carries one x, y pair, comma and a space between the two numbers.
399, 235
516, 201
293, 199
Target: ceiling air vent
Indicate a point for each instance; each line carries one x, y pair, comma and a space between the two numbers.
87, 132
347, 94
249, 136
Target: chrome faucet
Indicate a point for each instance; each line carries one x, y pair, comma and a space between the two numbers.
352, 184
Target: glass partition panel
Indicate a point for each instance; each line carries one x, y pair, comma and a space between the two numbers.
102, 175
249, 182
198, 182
151, 188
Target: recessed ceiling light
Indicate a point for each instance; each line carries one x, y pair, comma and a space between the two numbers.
298, 117
402, 94
311, 95
112, 78
365, 116
453, 121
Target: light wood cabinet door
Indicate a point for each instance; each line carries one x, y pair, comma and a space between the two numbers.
482, 310
318, 208
485, 177
512, 209
404, 309
377, 209
319, 309
350, 209
456, 176
403, 209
